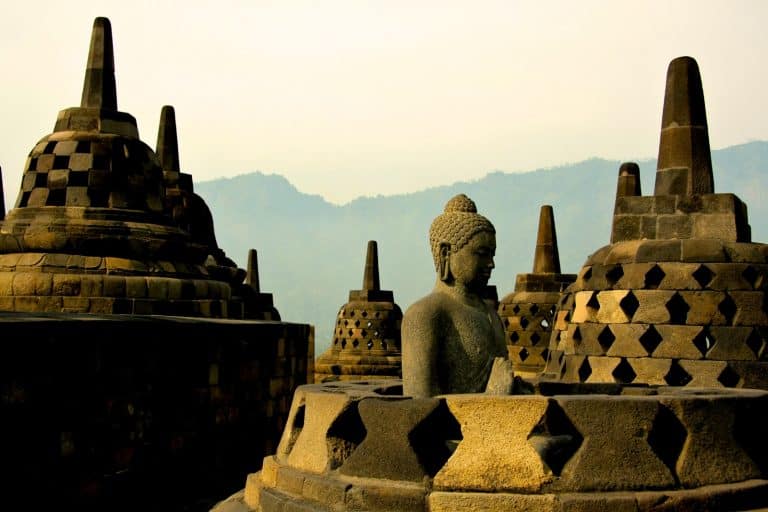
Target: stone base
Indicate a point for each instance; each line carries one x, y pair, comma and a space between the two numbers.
357, 446
130, 412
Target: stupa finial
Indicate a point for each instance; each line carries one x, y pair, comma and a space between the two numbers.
371, 277
99, 90
252, 277
546, 259
685, 161
167, 142
629, 180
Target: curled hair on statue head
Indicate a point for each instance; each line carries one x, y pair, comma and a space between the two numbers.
456, 226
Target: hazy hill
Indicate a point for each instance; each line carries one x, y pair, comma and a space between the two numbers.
311, 252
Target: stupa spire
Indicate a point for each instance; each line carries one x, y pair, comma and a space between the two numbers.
685, 162
252, 277
629, 180
546, 260
99, 89
371, 277
167, 142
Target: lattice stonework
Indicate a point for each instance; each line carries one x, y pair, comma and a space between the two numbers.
695, 323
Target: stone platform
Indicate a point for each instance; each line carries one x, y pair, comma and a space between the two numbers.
131, 412
362, 446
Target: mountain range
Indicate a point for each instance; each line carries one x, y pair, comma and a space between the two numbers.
312, 252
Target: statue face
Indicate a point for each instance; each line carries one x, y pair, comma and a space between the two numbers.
472, 264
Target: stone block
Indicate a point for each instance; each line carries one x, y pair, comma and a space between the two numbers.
715, 226
289, 480
91, 285
630, 463
744, 253
385, 498
583, 310
633, 205
6, 283
749, 308
658, 250
709, 423
135, 287
66, 284
253, 489
652, 307
332, 430
585, 338
648, 227
704, 374
704, 307
81, 161
25, 283
157, 287
623, 252
664, 204
388, 450
730, 276
677, 341
75, 304
494, 454
77, 196
597, 502
114, 286
625, 227
730, 343
679, 276
703, 250
45, 162
602, 369
325, 489
482, 501
673, 227
651, 370
610, 311
627, 342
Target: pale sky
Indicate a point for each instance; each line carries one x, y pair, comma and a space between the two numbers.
351, 98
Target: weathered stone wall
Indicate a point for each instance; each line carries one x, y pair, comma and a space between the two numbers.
128, 412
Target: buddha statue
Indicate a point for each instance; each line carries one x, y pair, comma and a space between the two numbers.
452, 337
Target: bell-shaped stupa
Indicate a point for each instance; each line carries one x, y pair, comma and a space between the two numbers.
366, 338
97, 228
528, 312
679, 296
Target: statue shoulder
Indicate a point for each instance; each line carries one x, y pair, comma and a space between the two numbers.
429, 307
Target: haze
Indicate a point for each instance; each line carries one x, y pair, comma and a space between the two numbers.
362, 98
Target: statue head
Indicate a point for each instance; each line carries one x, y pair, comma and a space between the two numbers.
463, 244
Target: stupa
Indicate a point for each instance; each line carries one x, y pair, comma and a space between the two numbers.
570, 444
678, 296
366, 337
528, 312
138, 370
99, 227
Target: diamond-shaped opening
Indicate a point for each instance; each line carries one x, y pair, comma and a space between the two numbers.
703, 275
516, 309
650, 339
357, 323
544, 324
587, 274
728, 308
534, 309
295, 428
369, 325
535, 338
614, 274
593, 303
677, 376
577, 335
506, 322
524, 322
514, 337
523, 354
678, 309
667, 437
364, 313
383, 345
343, 344
545, 354
654, 277
729, 378
624, 373
369, 344
555, 438
363, 333
606, 338
435, 439
704, 341
755, 343
629, 304
344, 435
585, 370
355, 343
752, 276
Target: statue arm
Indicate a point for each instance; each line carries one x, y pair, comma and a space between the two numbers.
420, 350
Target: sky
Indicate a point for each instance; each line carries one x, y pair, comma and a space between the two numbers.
354, 98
